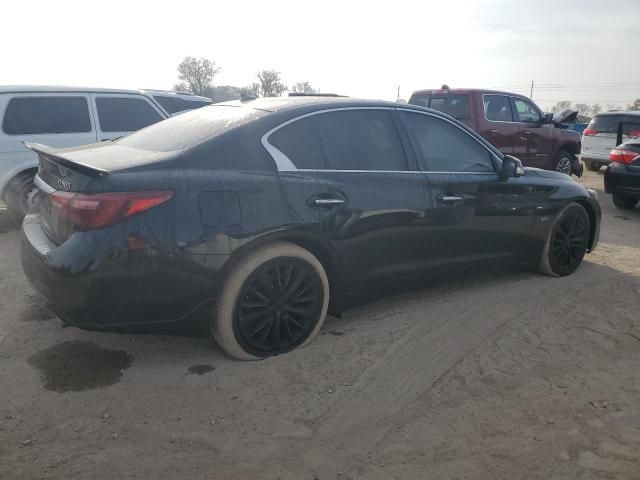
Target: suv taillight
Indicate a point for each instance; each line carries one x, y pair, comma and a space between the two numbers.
87, 211
589, 132
622, 156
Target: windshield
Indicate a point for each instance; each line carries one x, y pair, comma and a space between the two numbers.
609, 124
190, 129
456, 105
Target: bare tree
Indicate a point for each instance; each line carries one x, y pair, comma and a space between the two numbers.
196, 74
303, 87
561, 106
596, 108
583, 109
270, 83
252, 90
635, 106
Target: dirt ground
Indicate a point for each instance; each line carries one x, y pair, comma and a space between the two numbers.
501, 375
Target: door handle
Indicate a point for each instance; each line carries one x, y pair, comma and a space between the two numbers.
449, 198
527, 132
493, 130
325, 201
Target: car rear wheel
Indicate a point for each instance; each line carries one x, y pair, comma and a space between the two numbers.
21, 195
564, 162
625, 203
567, 242
273, 300
594, 167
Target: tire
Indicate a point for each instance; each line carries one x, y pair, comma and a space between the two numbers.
568, 239
624, 203
21, 195
594, 167
564, 163
262, 298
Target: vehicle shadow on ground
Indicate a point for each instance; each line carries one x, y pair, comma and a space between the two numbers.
7, 224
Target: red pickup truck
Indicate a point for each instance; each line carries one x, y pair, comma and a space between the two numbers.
512, 123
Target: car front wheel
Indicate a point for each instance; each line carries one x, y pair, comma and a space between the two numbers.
624, 203
567, 242
273, 300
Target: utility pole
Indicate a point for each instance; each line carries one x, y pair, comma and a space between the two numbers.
398, 97
531, 94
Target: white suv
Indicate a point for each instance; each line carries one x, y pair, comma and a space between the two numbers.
61, 117
175, 103
600, 136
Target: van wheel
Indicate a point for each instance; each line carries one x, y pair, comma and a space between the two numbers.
21, 195
564, 162
273, 300
624, 203
594, 167
567, 242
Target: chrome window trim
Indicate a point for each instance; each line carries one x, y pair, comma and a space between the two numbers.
284, 164
484, 112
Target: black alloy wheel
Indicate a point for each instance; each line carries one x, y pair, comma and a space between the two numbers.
278, 307
569, 241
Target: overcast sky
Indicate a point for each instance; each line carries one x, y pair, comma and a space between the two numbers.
579, 50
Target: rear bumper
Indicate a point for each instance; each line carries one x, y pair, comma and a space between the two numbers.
90, 281
619, 180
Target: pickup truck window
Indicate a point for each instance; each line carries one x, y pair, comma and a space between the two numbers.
497, 108
456, 105
444, 147
525, 111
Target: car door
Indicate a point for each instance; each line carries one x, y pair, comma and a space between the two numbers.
119, 114
535, 137
474, 215
499, 126
346, 174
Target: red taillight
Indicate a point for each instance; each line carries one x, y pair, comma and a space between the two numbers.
589, 132
97, 210
622, 156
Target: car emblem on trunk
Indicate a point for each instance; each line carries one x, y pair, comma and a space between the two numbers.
64, 184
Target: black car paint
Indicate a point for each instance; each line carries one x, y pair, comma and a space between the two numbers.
621, 179
391, 225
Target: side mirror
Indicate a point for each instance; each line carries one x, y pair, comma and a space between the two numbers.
547, 119
511, 167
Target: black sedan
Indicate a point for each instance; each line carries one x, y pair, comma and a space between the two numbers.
622, 177
265, 215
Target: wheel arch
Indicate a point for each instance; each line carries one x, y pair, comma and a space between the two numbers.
11, 176
325, 254
592, 220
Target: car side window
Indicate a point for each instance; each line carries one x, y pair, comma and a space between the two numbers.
300, 143
525, 111
42, 115
497, 108
360, 139
125, 114
445, 147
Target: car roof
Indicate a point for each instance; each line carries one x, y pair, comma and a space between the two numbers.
276, 104
172, 94
619, 112
63, 89
466, 90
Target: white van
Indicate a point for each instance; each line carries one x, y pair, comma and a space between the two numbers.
61, 117
600, 136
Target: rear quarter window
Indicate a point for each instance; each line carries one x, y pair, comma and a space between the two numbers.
453, 104
46, 115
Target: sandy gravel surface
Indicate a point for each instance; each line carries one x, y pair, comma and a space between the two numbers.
498, 375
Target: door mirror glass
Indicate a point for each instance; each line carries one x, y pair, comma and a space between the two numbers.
511, 167
547, 119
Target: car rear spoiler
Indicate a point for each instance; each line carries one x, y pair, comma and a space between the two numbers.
53, 155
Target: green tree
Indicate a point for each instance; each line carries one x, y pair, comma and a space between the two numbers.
196, 74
